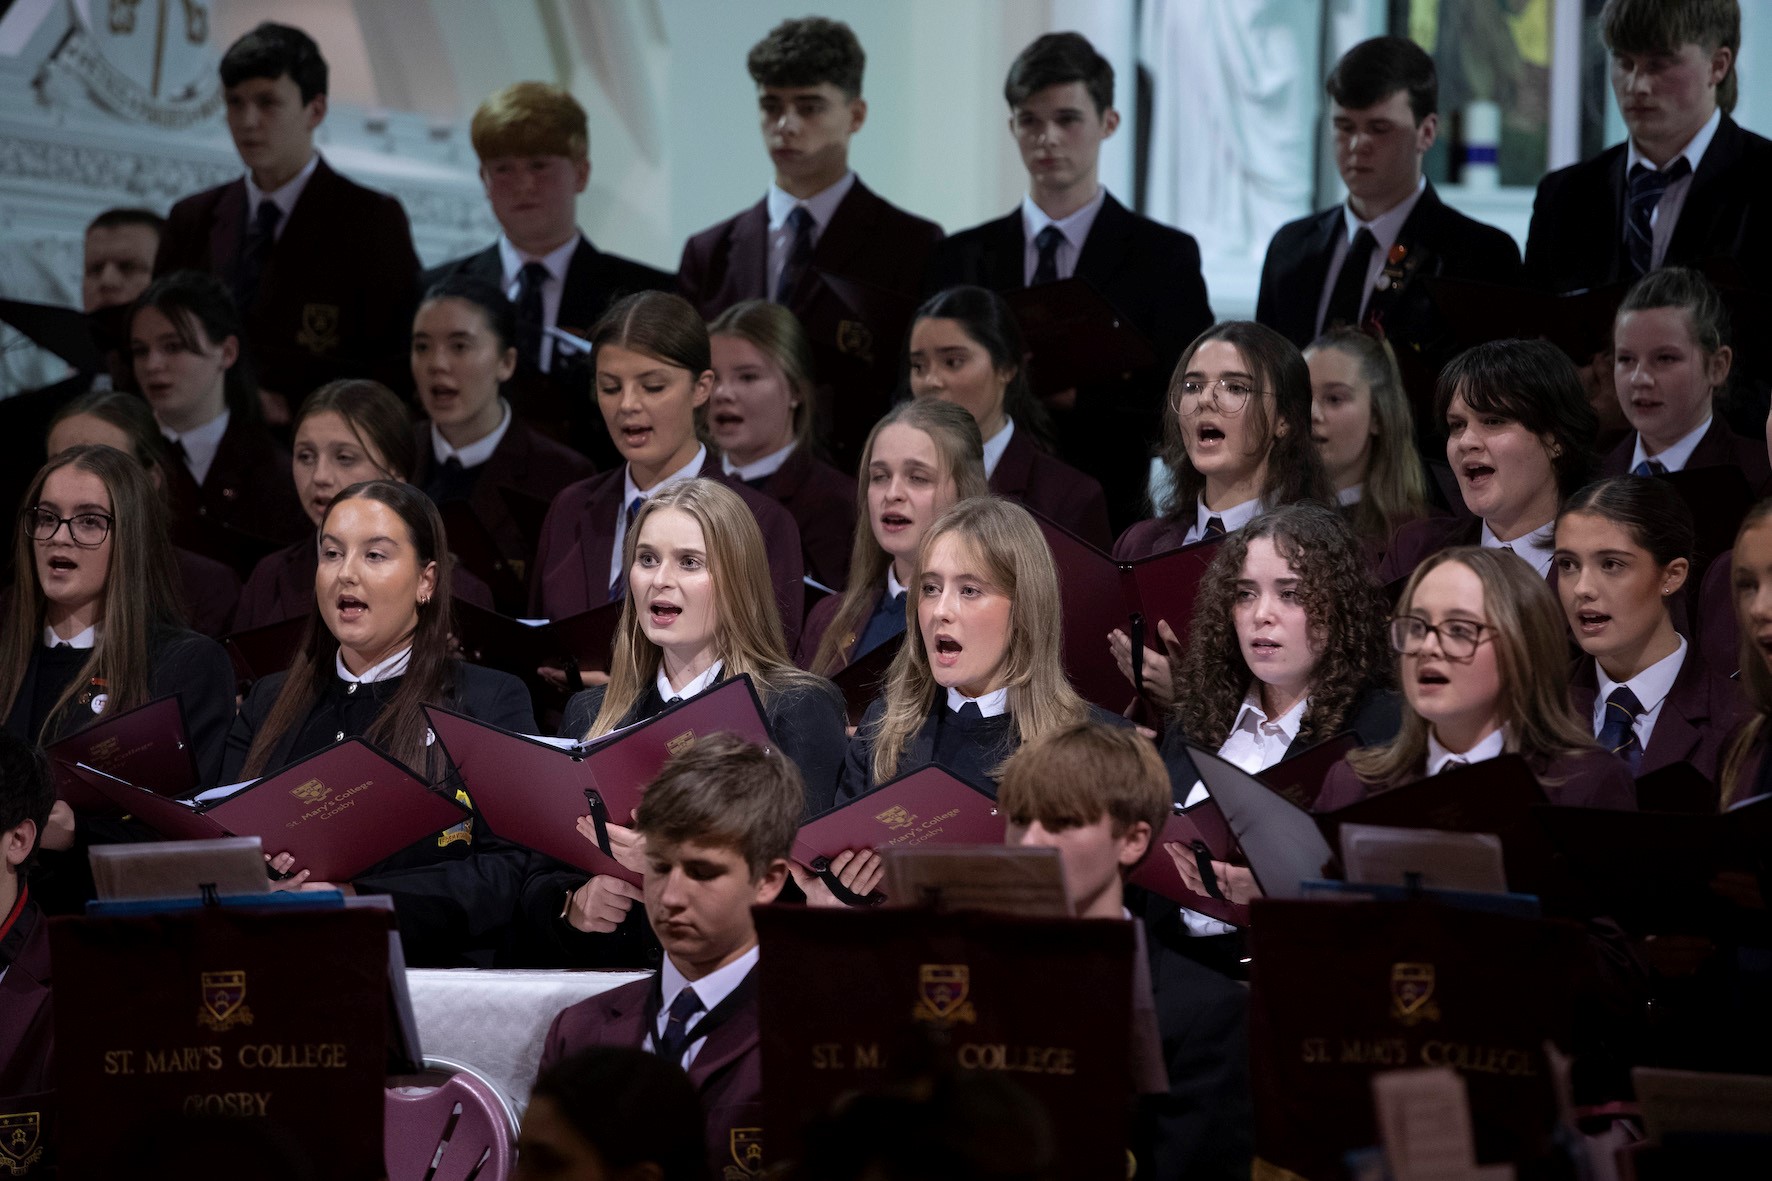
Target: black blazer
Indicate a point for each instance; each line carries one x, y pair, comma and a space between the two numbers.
245, 505
1375, 718
1700, 713
181, 662
1150, 273
560, 399
338, 289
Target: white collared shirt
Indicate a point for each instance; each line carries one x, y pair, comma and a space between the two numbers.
694, 688
1232, 518
384, 670
477, 452
283, 198
200, 444
893, 585
996, 445
992, 705
1075, 228
1666, 214
687, 472
767, 466
85, 639
1651, 686
711, 990
1385, 228
1537, 546
556, 261
1438, 756
1352, 494
1676, 456
821, 205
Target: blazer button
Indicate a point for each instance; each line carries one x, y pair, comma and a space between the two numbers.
352, 687
339, 737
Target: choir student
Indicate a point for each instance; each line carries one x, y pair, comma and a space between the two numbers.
920, 459
763, 414
965, 347
1747, 772
1365, 434
1482, 657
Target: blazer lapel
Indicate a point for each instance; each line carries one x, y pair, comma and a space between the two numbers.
1584, 689
1005, 245
850, 230
1416, 228
1015, 469
579, 292
1110, 237
748, 263
1686, 709
733, 1038
1705, 199
226, 231
596, 539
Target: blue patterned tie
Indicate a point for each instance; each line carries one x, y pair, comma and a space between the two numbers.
1046, 269
1650, 467
618, 586
1214, 529
799, 252
1646, 188
675, 1038
1618, 733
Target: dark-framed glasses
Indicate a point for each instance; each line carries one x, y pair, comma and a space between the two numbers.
1458, 637
86, 529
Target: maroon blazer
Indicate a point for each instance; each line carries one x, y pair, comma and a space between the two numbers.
818, 622
249, 491
282, 587
1719, 632
821, 500
211, 592
1701, 711
1422, 539
572, 561
1155, 535
727, 1071
338, 290
525, 461
1720, 447
1589, 779
1046, 483
27, 1035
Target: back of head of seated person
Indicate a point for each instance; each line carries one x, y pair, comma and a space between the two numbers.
185, 337
1364, 432
612, 1113
27, 793
464, 346
274, 82
111, 418
944, 1126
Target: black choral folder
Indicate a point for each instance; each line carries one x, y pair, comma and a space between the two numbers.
534, 792
266, 649
145, 745
583, 641
864, 678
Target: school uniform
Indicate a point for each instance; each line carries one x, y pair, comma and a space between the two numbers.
210, 591
821, 500
552, 386
1374, 719
1683, 713
723, 1055
1151, 275
1159, 535
240, 502
1586, 779
27, 1030
877, 253
1711, 444
885, 622
337, 284
282, 586
1019, 471
1418, 540
575, 564
1719, 631
971, 743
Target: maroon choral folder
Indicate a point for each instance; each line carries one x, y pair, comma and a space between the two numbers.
1299, 778
533, 793
1203, 831
338, 812
145, 745
929, 806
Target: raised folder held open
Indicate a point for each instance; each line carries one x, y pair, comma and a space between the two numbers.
864, 678
337, 812
576, 643
533, 792
145, 745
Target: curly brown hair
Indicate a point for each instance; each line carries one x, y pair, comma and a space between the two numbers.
1342, 603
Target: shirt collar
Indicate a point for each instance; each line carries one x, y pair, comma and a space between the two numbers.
991, 705
1074, 226
285, 197
1387, 225
1674, 458
1350, 495
687, 472
692, 689
767, 466
711, 989
477, 452
1233, 518
556, 260
996, 445
1653, 684
1438, 756
1693, 151
1537, 546
85, 639
821, 205
386, 670
207, 435
893, 586
1253, 717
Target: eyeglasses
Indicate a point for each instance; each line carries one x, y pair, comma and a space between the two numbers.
1229, 394
86, 529
1458, 637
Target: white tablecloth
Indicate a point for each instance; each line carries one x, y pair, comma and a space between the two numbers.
495, 1019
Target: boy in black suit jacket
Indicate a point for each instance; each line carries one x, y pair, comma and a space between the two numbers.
1061, 102
322, 270
818, 219
1099, 795
1365, 261
533, 141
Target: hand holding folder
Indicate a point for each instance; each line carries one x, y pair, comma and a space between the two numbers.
147, 745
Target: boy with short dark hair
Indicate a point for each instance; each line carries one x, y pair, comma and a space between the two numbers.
1060, 93
718, 824
27, 793
1099, 795
322, 269
818, 216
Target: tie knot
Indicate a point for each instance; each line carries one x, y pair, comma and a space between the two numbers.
1214, 528
268, 216
1650, 467
1624, 701
534, 274
1646, 180
1363, 240
686, 1005
799, 219
1048, 239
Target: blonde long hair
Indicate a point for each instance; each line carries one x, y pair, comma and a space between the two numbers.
1012, 554
1532, 657
747, 627
1395, 491
1756, 681
960, 450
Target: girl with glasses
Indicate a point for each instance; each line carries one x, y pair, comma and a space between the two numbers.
1482, 656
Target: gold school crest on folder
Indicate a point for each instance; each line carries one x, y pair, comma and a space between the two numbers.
894, 817
680, 743
747, 1155
1412, 993
20, 1133
311, 792
224, 1001
941, 994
